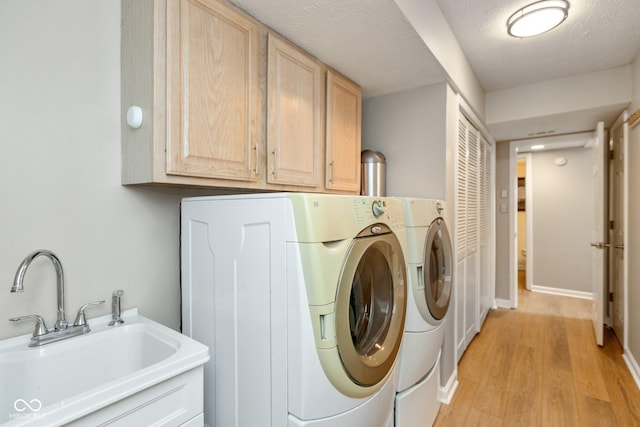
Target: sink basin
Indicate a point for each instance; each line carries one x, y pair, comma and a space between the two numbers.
65, 381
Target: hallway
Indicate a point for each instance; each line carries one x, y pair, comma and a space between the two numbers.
539, 366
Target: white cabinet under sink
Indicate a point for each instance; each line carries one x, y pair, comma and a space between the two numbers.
174, 402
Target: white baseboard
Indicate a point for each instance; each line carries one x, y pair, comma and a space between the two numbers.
446, 393
562, 292
503, 303
632, 364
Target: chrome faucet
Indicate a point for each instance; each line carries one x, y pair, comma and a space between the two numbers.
18, 285
41, 335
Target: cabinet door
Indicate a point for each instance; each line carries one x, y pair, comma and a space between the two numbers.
213, 103
343, 127
295, 115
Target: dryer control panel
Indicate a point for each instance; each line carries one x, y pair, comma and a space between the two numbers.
368, 210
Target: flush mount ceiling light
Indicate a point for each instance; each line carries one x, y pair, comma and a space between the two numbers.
537, 18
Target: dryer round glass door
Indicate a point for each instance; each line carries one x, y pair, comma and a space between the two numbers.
437, 269
370, 307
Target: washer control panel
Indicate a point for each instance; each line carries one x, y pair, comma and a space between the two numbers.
377, 207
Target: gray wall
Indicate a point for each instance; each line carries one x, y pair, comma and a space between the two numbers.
409, 129
562, 219
502, 222
60, 175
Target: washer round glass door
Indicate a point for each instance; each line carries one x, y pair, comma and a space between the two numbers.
437, 269
371, 305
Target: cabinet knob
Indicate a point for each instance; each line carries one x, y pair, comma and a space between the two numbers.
134, 117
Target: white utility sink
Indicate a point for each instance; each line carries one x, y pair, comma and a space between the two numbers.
137, 373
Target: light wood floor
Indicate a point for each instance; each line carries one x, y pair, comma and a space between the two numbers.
539, 366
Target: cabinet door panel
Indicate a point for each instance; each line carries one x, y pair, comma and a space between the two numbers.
344, 105
213, 95
294, 133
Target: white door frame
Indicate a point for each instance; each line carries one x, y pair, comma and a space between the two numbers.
562, 141
622, 121
600, 231
528, 216
514, 146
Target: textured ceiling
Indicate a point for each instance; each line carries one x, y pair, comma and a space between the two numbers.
597, 35
369, 41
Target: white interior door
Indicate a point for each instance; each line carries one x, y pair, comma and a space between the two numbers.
599, 233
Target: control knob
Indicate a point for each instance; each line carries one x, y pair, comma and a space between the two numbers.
377, 208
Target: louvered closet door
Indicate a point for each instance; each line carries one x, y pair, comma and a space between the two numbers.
471, 281
473, 232
460, 231
486, 229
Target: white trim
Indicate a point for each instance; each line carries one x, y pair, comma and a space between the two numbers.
621, 121
529, 218
513, 228
453, 234
503, 303
573, 140
446, 392
475, 120
625, 262
562, 292
632, 364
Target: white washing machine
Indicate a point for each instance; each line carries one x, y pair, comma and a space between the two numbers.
429, 261
301, 299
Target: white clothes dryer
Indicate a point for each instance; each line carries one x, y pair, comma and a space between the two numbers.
429, 261
301, 299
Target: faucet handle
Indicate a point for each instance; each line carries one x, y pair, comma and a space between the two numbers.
81, 320
40, 329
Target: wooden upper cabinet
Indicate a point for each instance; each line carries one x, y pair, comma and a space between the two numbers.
192, 66
343, 133
295, 94
227, 103
213, 95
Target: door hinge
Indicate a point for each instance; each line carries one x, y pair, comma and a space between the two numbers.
610, 296
611, 155
612, 225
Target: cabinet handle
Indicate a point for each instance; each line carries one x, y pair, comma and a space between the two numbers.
331, 172
255, 167
273, 167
